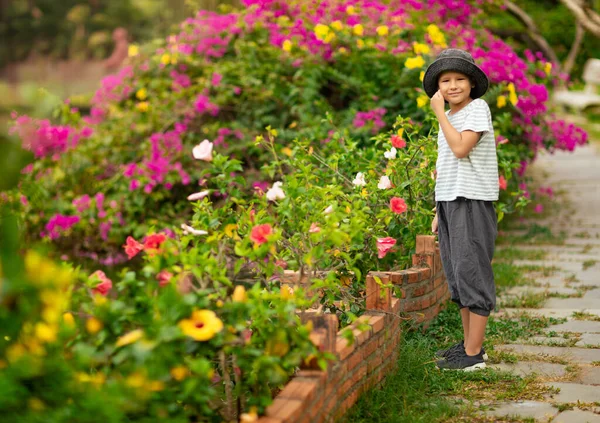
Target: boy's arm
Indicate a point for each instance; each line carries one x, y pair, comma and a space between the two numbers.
461, 143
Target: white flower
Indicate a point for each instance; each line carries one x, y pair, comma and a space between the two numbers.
198, 195
275, 192
384, 183
189, 230
203, 151
359, 180
328, 210
390, 154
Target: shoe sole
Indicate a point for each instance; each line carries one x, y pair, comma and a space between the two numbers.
485, 357
473, 368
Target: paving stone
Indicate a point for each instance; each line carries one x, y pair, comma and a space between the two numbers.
594, 293
578, 355
562, 290
557, 313
588, 339
576, 303
573, 392
577, 416
531, 409
583, 326
525, 368
589, 375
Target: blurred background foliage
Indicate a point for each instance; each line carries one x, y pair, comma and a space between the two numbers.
555, 23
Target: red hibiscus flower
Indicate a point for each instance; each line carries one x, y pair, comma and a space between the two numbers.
132, 247
105, 284
260, 233
153, 242
398, 205
502, 182
384, 245
164, 277
397, 141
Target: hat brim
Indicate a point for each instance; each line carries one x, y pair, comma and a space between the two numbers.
456, 64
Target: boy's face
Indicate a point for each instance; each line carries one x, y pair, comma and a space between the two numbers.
455, 87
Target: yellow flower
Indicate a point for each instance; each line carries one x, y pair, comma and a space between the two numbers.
130, 338
350, 10
155, 386
249, 417
420, 48
141, 94
93, 325
421, 76
436, 36
329, 37
358, 30
400, 132
321, 31
360, 43
501, 101
142, 106
99, 300
422, 101
286, 292
45, 333
287, 46
203, 325
136, 380
382, 30
548, 68
337, 25
219, 303
287, 151
414, 62
97, 378
179, 373
239, 295
165, 59
51, 314
364, 193
133, 50
14, 352
230, 230
342, 50
512, 94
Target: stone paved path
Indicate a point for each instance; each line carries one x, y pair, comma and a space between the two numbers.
569, 358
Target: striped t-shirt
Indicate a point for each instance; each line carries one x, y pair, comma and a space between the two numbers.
475, 176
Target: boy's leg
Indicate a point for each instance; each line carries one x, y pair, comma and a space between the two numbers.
477, 327
465, 316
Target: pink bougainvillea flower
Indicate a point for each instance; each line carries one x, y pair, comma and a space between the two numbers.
163, 277
198, 195
314, 228
132, 247
398, 205
397, 141
203, 151
105, 284
153, 242
260, 233
384, 245
539, 208
502, 182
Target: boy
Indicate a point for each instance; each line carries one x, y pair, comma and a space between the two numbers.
466, 187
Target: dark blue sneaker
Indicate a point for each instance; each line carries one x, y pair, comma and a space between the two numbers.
462, 361
440, 354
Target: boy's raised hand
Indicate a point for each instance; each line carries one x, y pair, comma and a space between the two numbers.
437, 103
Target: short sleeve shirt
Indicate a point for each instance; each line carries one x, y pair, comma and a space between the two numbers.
475, 176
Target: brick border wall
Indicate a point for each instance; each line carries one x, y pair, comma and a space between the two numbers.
324, 396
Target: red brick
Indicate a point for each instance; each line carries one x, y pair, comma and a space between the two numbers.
346, 386
360, 337
378, 298
425, 244
395, 305
377, 323
421, 289
370, 347
360, 373
355, 359
372, 365
318, 375
288, 410
425, 273
397, 278
343, 348
299, 388
266, 419
412, 276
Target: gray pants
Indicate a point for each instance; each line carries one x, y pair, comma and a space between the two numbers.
467, 231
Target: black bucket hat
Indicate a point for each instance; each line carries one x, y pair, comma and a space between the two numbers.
453, 59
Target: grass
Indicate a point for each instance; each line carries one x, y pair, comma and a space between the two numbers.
511, 253
525, 300
419, 392
589, 263
507, 275
536, 234
581, 315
